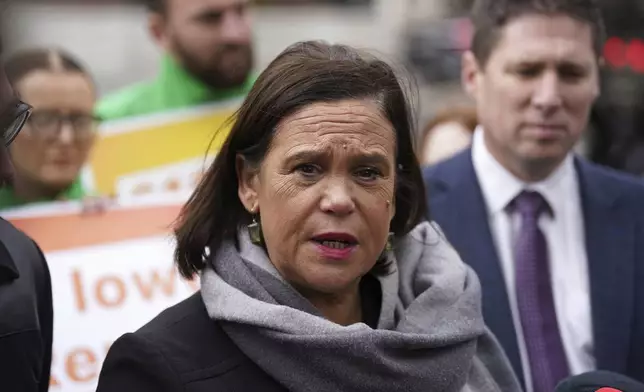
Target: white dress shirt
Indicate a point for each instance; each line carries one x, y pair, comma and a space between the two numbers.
564, 232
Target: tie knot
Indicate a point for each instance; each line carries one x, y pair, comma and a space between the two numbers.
530, 203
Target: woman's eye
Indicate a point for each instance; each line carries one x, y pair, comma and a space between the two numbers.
307, 169
368, 174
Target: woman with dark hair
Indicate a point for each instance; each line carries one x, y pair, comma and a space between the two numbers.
50, 152
319, 271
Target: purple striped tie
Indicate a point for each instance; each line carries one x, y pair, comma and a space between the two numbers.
548, 364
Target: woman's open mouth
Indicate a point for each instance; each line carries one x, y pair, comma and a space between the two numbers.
335, 245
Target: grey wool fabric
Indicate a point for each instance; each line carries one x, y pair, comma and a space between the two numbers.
430, 336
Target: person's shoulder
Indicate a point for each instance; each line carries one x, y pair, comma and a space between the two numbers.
179, 346
19, 245
628, 187
125, 102
438, 174
188, 338
188, 314
8, 230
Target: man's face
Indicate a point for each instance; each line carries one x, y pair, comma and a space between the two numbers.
210, 38
535, 93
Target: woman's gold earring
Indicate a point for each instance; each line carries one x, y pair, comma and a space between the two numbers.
390, 242
255, 232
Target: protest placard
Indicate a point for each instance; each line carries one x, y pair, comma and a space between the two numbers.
111, 273
159, 153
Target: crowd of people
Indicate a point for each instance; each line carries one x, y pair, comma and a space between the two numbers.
335, 253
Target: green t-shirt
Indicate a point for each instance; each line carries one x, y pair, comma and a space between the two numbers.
8, 198
174, 88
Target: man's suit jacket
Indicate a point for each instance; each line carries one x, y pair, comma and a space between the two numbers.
26, 313
613, 209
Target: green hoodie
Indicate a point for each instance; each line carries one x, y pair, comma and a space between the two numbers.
174, 88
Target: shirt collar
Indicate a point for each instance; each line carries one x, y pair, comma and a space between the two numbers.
500, 187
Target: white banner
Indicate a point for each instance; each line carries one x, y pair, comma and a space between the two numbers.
111, 273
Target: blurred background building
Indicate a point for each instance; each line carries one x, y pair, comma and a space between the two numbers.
111, 37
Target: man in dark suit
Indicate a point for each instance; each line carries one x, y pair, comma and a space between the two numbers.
26, 312
557, 242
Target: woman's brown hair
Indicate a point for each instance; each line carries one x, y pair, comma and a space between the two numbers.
303, 74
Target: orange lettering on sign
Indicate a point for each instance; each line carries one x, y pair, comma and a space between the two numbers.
166, 284
102, 287
81, 365
111, 291
79, 291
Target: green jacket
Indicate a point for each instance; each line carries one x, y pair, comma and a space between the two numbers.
8, 198
174, 88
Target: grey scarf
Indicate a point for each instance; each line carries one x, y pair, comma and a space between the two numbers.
430, 336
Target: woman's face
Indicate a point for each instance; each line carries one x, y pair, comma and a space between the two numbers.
325, 194
48, 151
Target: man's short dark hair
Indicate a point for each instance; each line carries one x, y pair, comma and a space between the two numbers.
489, 17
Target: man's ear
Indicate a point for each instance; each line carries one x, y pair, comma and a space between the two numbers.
157, 26
601, 65
247, 184
470, 71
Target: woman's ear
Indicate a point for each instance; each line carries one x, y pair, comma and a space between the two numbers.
248, 183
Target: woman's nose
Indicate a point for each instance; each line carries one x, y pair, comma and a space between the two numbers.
338, 199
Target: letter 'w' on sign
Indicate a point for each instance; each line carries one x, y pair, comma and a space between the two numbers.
153, 282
